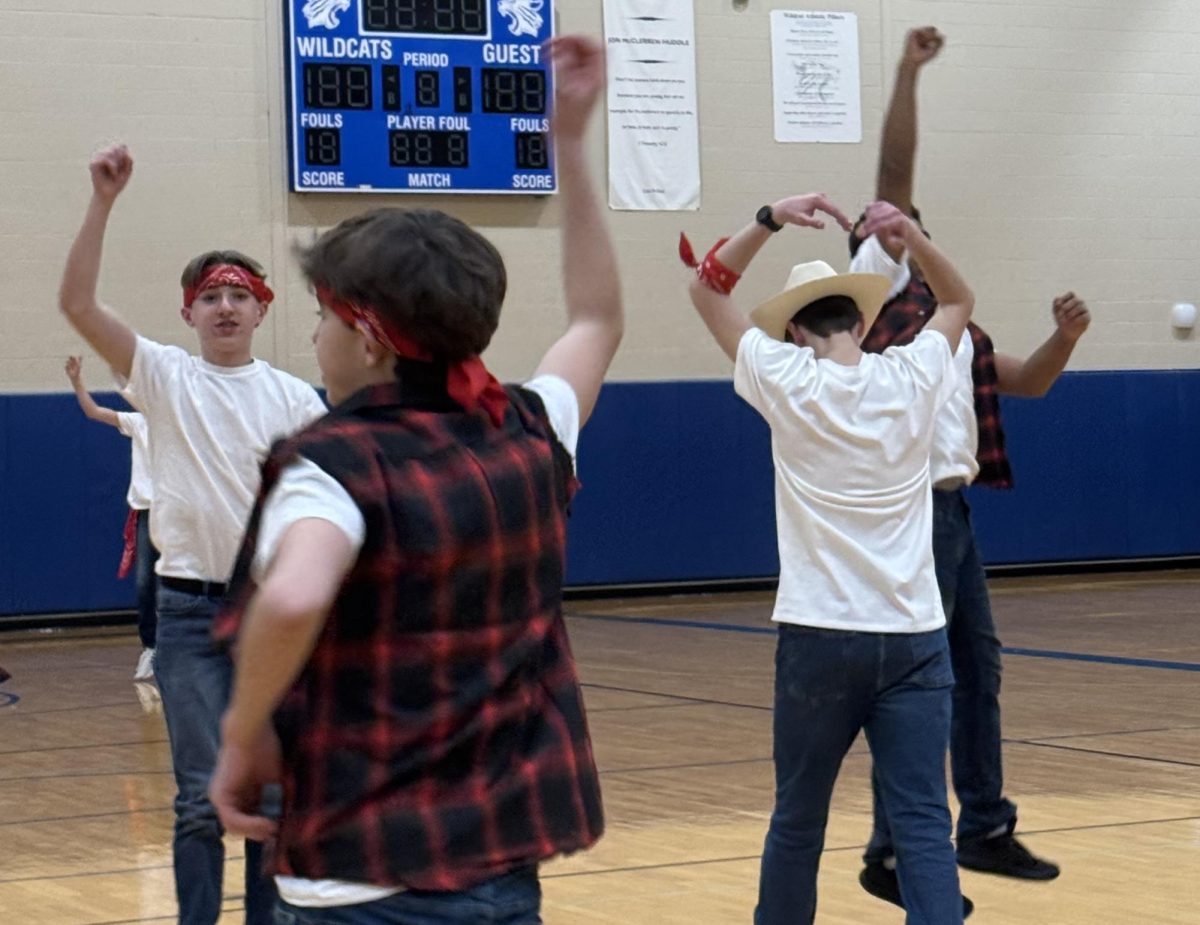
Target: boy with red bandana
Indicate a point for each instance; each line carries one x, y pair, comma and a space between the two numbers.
398, 599
211, 419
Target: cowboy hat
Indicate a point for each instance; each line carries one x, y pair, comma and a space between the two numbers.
809, 282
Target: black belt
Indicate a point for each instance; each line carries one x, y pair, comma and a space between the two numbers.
193, 586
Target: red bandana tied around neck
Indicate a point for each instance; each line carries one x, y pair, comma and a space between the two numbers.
468, 381
227, 274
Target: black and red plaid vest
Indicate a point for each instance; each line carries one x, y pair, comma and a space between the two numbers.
436, 737
900, 321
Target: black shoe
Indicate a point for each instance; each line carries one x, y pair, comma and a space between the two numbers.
1006, 856
883, 883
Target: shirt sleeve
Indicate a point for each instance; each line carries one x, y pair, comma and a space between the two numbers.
131, 424
562, 408
153, 367
872, 258
930, 356
768, 371
309, 408
305, 491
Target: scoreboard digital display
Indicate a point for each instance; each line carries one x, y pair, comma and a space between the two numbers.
419, 96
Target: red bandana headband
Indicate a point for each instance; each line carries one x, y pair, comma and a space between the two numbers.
227, 274
468, 381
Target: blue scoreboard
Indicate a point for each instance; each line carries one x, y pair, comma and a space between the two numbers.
419, 96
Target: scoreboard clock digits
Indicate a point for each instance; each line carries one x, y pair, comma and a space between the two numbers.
430, 17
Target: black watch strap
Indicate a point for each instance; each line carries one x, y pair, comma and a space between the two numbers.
767, 219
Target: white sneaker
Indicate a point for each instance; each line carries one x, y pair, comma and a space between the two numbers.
145, 666
149, 697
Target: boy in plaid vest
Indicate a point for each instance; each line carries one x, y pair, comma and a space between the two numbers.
399, 591
969, 447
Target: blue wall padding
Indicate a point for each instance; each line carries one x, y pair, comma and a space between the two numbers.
677, 486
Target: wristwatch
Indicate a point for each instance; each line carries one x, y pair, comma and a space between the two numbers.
765, 218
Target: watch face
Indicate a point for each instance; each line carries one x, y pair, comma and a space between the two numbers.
765, 217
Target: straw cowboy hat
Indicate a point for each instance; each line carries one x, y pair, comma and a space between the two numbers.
811, 281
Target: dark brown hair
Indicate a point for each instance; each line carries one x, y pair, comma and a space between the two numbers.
830, 315
198, 265
440, 281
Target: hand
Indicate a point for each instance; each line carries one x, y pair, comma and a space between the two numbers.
111, 169
801, 210
1072, 316
237, 783
578, 79
921, 46
892, 226
74, 369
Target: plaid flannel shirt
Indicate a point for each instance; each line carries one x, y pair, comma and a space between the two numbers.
900, 321
436, 738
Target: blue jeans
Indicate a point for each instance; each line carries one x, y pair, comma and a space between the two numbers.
975, 759
828, 685
195, 677
147, 582
514, 898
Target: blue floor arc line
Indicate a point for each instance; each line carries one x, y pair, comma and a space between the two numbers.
1158, 664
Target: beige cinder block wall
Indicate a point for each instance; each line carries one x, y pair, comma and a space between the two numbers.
1058, 151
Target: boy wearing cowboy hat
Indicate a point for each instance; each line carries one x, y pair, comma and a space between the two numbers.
862, 641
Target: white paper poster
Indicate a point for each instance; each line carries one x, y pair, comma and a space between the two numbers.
814, 62
653, 127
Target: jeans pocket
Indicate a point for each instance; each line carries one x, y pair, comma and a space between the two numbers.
931, 666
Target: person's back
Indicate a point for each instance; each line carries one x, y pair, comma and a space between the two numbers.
485, 706
862, 645
851, 446
398, 597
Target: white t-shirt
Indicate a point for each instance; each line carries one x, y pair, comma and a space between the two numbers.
210, 428
305, 491
133, 426
956, 433
853, 506
872, 258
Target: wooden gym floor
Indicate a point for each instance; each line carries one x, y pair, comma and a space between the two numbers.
1102, 723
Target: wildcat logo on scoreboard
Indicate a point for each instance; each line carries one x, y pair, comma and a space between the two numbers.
524, 16
327, 13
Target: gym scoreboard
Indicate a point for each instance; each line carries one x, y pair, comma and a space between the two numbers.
419, 96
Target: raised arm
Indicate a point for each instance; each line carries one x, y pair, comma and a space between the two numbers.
108, 335
595, 316
725, 321
87, 404
1033, 377
898, 144
954, 296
